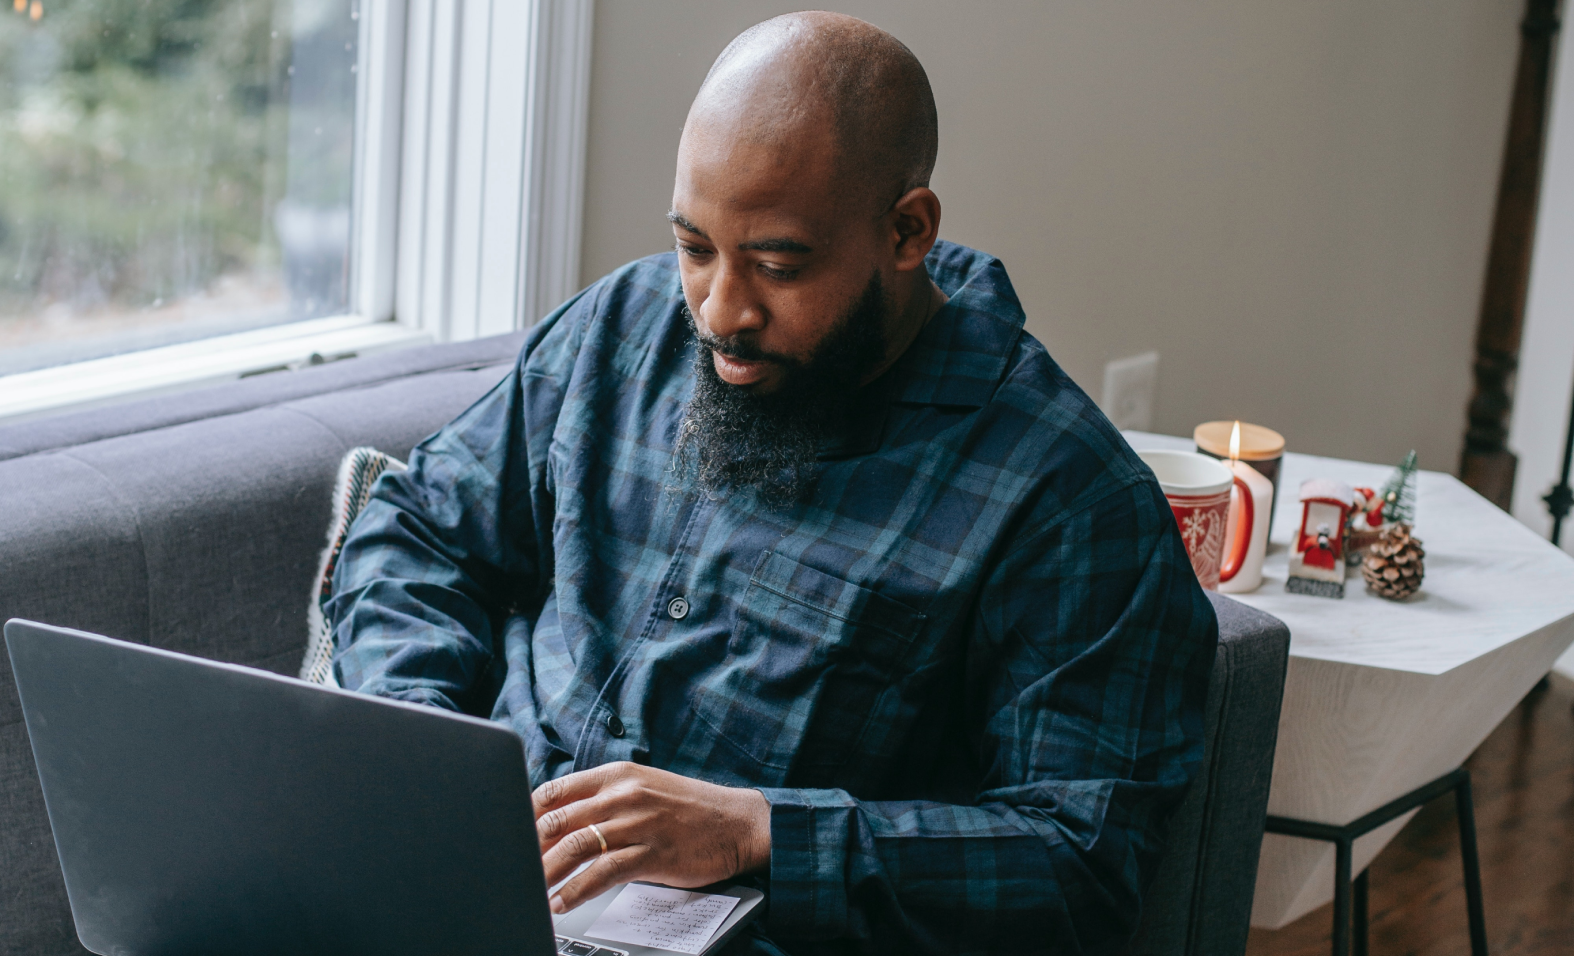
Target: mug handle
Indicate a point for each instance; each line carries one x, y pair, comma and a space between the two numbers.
1243, 533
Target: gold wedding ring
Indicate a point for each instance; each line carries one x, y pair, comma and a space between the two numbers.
599, 838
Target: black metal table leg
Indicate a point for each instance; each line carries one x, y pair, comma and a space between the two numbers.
1342, 898
1465, 810
1352, 894
1362, 915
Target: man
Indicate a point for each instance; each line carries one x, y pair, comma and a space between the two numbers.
792, 557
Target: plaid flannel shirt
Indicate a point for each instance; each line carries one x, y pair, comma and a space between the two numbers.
967, 672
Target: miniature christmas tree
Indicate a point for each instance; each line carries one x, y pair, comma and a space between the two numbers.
1399, 493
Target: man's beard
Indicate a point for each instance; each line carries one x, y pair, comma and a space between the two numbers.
732, 438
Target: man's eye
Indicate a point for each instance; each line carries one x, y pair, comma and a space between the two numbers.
693, 252
775, 273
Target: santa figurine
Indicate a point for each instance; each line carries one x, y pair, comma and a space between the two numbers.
1365, 525
1317, 553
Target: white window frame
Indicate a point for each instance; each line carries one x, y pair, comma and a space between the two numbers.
468, 195
497, 94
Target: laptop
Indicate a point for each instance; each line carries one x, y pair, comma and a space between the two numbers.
201, 807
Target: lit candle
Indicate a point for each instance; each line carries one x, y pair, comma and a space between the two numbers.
1249, 577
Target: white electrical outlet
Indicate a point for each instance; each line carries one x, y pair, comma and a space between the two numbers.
1129, 385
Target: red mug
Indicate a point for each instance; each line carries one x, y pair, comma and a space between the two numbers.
1199, 489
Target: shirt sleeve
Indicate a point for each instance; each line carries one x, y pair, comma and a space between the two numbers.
1087, 675
446, 551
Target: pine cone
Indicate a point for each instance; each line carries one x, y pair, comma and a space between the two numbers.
1393, 567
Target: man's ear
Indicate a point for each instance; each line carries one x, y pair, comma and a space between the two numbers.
916, 226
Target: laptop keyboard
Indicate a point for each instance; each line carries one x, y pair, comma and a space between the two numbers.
578, 947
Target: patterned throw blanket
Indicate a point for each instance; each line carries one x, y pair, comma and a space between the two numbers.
357, 473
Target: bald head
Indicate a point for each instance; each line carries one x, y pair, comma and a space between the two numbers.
801, 211
831, 79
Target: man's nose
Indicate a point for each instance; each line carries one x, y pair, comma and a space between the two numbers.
731, 306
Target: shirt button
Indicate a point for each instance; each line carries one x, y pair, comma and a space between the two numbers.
614, 725
678, 608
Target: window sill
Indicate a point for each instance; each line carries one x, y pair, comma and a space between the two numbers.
207, 362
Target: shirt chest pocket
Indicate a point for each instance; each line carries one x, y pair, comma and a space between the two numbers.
810, 667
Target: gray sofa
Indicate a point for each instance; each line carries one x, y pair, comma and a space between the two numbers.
194, 522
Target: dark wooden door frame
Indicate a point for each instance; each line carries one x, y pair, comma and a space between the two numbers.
1487, 465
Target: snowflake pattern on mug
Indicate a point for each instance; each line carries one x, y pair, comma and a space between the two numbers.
1202, 522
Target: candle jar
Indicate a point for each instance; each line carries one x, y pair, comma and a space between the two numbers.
1262, 448
1248, 576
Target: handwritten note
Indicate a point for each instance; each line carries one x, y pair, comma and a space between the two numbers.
663, 918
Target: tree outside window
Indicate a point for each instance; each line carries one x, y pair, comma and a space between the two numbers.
170, 170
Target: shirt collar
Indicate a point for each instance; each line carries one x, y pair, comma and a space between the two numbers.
960, 355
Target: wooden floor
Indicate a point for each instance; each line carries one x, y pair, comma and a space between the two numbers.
1523, 778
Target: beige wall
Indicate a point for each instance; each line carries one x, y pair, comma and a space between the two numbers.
1289, 201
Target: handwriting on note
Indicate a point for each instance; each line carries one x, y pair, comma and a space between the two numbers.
663, 918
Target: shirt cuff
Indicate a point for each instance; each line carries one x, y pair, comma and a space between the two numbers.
808, 884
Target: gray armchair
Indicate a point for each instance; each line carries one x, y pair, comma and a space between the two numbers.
1201, 899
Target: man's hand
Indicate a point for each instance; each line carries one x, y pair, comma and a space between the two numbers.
659, 826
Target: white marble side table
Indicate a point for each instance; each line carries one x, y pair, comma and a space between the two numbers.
1384, 697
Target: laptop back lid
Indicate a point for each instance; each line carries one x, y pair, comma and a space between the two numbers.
200, 807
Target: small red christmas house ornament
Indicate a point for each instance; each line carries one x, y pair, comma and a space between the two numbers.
1317, 552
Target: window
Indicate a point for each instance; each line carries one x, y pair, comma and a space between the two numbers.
171, 170
195, 190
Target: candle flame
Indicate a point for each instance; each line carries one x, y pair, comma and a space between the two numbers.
37, 10
1235, 442
20, 6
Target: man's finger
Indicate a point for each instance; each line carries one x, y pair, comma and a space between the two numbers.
618, 866
577, 846
574, 786
554, 825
